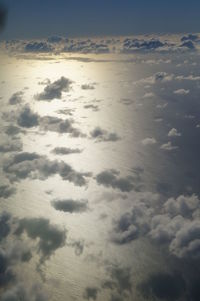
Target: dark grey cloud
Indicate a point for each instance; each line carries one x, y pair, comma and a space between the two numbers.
188, 44
55, 39
50, 236
131, 45
71, 206
11, 146
27, 118
32, 165
38, 47
163, 286
5, 227
6, 191
190, 37
16, 98
12, 130
90, 293
111, 178
102, 135
55, 89
66, 151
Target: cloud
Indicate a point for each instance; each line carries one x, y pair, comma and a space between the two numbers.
149, 141
181, 92
132, 45
27, 118
102, 135
191, 37
71, 206
55, 124
87, 87
5, 227
174, 133
32, 165
168, 146
163, 286
55, 89
111, 178
66, 151
95, 108
188, 44
90, 293
11, 146
16, 98
38, 47
85, 46
6, 191
50, 237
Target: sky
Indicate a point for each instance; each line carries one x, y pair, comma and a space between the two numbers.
36, 19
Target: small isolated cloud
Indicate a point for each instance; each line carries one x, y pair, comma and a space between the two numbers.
174, 133
94, 108
181, 92
87, 87
168, 146
55, 89
149, 141
90, 293
16, 98
111, 178
71, 206
102, 135
148, 95
66, 151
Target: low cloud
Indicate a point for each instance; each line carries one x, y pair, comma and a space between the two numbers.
66, 151
101, 135
55, 89
149, 141
168, 146
71, 206
32, 165
174, 133
16, 98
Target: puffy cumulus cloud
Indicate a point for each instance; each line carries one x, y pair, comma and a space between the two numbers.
175, 224
85, 46
163, 286
12, 130
16, 98
55, 89
71, 206
181, 92
191, 37
168, 146
111, 178
188, 44
26, 118
6, 191
55, 124
131, 45
149, 141
174, 133
49, 236
66, 151
100, 135
32, 165
90, 293
38, 47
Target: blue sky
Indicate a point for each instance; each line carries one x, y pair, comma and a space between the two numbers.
29, 19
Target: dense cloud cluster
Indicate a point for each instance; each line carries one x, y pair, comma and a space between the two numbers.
31, 165
175, 224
